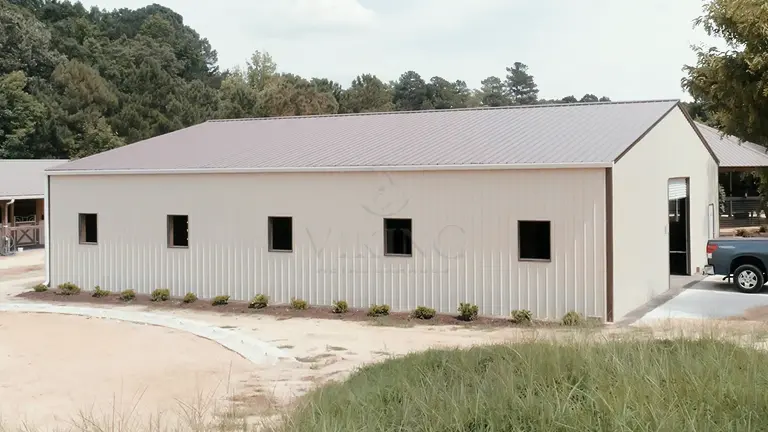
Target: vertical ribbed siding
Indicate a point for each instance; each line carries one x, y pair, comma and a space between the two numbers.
464, 237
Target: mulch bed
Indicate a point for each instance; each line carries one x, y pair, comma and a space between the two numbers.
279, 311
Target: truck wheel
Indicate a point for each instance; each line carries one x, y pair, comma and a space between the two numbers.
748, 279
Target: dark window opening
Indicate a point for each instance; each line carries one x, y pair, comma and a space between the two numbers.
178, 231
535, 242
280, 234
88, 228
397, 237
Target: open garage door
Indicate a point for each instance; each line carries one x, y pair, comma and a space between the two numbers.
679, 227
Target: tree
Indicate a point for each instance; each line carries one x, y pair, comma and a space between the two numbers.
292, 95
569, 99
261, 70
367, 94
521, 89
733, 83
25, 43
411, 93
589, 97
492, 92
20, 113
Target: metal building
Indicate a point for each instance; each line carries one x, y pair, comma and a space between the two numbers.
550, 208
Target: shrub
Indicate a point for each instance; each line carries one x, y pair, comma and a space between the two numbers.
340, 307
468, 311
259, 302
162, 294
40, 288
378, 310
423, 313
220, 300
763, 229
98, 292
522, 316
190, 298
127, 295
572, 319
69, 289
298, 304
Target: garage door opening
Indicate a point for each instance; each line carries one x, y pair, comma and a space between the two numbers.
679, 227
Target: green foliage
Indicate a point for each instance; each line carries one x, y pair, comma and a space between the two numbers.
40, 288
161, 294
572, 319
98, 292
259, 302
521, 316
76, 81
423, 313
547, 386
468, 311
127, 295
378, 310
220, 300
190, 298
299, 304
340, 307
69, 288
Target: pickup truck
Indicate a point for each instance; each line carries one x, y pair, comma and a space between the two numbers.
743, 259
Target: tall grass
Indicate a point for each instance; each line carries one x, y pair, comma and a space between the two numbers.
636, 385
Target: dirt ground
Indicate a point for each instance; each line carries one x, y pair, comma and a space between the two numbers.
67, 363
54, 367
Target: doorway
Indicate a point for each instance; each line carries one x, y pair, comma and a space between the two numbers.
679, 226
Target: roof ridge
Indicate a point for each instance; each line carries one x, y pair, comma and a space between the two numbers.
430, 111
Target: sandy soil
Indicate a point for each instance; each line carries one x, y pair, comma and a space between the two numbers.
54, 367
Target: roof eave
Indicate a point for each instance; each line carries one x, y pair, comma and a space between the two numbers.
539, 166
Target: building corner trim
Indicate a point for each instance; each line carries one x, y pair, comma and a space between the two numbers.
47, 228
609, 245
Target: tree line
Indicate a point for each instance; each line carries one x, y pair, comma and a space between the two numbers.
77, 81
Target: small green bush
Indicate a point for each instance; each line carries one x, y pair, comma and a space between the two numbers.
378, 310
127, 295
40, 288
521, 316
259, 302
763, 229
468, 311
98, 292
299, 304
340, 307
69, 289
162, 294
220, 300
190, 298
423, 313
572, 319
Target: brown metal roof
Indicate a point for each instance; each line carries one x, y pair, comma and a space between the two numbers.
24, 177
732, 152
543, 134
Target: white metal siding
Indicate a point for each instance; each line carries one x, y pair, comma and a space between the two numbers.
672, 149
464, 230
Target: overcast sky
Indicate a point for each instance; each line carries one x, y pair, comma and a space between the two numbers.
624, 49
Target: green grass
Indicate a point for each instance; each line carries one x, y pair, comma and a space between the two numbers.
635, 385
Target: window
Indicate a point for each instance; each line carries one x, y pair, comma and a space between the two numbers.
280, 234
178, 231
397, 237
535, 241
88, 228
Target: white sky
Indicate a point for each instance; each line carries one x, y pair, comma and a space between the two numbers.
624, 49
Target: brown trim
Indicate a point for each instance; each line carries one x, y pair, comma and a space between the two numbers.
698, 132
609, 244
647, 131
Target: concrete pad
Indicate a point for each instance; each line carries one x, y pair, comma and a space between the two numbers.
712, 298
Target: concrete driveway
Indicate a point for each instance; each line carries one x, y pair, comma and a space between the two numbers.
710, 298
